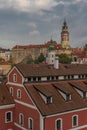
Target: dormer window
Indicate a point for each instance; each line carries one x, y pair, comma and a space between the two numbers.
82, 91
45, 94
49, 100
63, 91
66, 96
15, 78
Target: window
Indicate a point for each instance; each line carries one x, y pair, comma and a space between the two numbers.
59, 124
19, 93
34, 78
30, 124
15, 78
49, 100
75, 120
21, 119
84, 94
72, 76
56, 77
48, 78
11, 91
39, 78
29, 79
8, 116
68, 97
83, 76
52, 77
68, 76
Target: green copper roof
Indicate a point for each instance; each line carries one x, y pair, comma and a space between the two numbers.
51, 47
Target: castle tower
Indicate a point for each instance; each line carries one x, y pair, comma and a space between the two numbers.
65, 36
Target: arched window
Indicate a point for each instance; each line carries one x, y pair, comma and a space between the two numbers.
58, 124
14, 77
30, 123
11, 91
75, 120
8, 116
19, 93
21, 119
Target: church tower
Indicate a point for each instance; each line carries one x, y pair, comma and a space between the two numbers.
65, 36
50, 54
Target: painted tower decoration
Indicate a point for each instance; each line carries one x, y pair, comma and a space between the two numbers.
65, 36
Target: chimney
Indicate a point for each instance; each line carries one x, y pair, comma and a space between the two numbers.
56, 62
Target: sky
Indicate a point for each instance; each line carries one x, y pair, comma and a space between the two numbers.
25, 22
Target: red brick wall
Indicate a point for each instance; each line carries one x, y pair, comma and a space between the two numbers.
67, 120
3, 125
24, 96
27, 112
19, 77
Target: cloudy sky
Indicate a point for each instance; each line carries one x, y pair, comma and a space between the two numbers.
26, 22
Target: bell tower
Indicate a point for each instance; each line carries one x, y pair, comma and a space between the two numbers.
65, 36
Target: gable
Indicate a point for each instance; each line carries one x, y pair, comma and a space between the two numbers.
14, 76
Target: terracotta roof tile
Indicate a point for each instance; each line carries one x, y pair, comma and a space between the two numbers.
59, 104
5, 97
46, 45
43, 89
46, 70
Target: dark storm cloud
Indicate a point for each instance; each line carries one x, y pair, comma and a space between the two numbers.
26, 21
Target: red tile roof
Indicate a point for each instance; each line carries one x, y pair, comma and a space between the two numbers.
5, 97
5, 63
77, 51
59, 104
29, 70
46, 45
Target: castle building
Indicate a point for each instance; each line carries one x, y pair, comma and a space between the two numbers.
19, 53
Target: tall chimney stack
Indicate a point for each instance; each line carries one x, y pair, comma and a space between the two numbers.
56, 62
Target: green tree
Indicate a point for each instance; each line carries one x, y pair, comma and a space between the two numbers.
41, 58
85, 48
64, 58
1, 59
